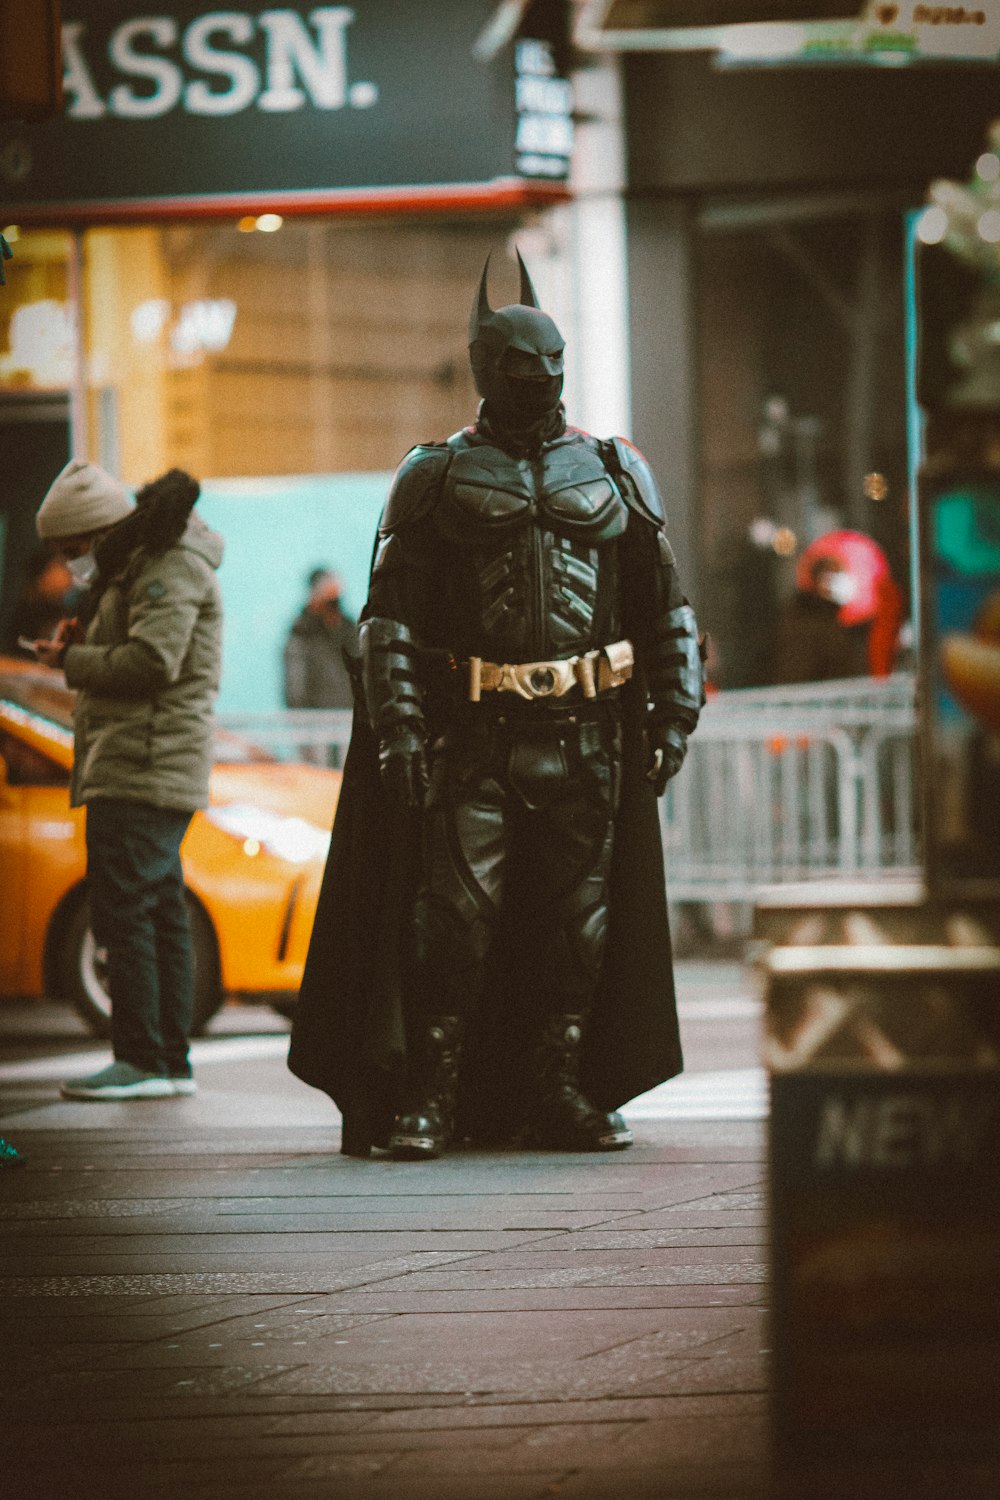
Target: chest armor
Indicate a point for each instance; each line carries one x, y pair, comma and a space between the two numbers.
533, 545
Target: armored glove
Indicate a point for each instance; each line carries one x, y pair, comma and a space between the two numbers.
676, 692
394, 699
667, 749
403, 764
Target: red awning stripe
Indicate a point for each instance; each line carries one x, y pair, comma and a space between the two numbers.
502, 192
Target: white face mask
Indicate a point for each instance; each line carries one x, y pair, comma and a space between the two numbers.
83, 570
841, 588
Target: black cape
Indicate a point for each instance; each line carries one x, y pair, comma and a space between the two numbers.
349, 1031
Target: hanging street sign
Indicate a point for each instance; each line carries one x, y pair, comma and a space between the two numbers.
889, 33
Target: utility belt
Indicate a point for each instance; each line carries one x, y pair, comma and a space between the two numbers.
594, 672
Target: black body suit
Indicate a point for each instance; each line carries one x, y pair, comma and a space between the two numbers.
518, 542
521, 559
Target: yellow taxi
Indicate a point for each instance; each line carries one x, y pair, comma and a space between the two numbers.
253, 862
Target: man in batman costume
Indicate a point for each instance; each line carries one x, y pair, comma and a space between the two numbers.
491, 956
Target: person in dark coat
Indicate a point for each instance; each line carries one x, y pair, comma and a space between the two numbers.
315, 673
491, 954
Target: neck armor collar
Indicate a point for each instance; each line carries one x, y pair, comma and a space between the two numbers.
525, 439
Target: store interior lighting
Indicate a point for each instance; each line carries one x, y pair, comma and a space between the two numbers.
265, 223
41, 344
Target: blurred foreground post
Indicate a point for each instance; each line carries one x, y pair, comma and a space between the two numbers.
883, 1044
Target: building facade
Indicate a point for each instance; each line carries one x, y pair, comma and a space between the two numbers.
767, 211
249, 245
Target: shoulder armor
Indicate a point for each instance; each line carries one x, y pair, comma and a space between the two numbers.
641, 492
415, 486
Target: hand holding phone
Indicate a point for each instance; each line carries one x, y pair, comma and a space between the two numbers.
49, 653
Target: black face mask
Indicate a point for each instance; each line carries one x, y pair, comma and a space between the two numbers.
516, 354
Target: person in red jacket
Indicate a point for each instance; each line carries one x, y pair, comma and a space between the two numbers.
845, 617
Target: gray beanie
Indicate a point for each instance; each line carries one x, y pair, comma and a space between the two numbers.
81, 499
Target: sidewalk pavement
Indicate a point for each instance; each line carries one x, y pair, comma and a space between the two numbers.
202, 1298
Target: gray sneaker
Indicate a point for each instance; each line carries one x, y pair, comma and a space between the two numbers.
120, 1080
183, 1083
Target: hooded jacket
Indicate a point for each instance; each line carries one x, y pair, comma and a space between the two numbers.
147, 675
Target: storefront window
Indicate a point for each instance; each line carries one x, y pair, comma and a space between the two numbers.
36, 317
288, 365
268, 347
803, 413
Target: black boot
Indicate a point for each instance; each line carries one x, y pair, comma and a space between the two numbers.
424, 1126
564, 1120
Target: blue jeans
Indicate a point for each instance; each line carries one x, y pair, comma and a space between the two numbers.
138, 913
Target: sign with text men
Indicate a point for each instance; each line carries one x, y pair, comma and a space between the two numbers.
175, 107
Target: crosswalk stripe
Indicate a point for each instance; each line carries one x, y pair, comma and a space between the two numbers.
730, 1094
719, 1008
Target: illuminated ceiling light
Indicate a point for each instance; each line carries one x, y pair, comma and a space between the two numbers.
204, 325
762, 531
932, 226
41, 343
148, 319
269, 223
785, 541
988, 227
247, 224
988, 167
12, 233
946, 194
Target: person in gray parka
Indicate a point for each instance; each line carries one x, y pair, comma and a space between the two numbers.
144, 656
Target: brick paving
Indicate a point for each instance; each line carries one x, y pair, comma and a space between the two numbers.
191, 1309
200, 1299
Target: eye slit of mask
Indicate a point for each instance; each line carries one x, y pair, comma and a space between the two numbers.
519, 364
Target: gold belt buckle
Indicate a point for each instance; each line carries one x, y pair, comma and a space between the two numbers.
540, 679
553, 679
528, 679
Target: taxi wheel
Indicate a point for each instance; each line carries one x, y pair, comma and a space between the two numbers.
80, 969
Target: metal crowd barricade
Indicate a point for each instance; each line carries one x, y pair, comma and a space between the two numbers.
780, 785
795, 783
317, 736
